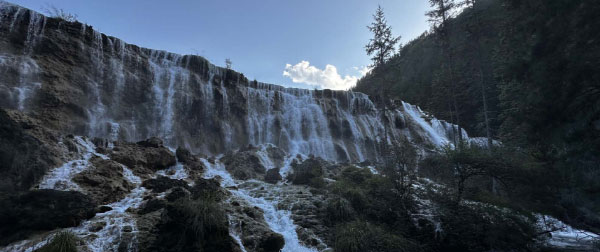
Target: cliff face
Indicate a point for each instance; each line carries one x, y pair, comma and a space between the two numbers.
79, 81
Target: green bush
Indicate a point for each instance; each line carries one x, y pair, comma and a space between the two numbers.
339, 210
361, 236
310, 172
356, 175
483, 227
61, 242
194, 225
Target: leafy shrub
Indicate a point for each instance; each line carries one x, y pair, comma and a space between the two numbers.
355, 175
310, 172
361, 236
339, 210
62, 242
483, 227
55, 12
194, 225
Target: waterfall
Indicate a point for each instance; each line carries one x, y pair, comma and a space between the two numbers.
131, 93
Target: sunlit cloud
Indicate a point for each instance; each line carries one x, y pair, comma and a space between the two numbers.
327, 78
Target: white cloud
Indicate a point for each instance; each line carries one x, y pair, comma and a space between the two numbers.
363, 70
329, 77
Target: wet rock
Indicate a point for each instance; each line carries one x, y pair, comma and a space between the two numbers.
191, 163
277, 155
102, 144
273, 176
144, 157
153, 142
272, 242
184, 155
151, 206
27, 151
39, 210
162, 184
103, 209
127, 229
104, 182
97, 226
243, 165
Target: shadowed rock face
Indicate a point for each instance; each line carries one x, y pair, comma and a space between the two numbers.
105, 183
27, 151
41, 210
79, 81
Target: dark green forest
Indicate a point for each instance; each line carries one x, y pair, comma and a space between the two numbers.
526, 73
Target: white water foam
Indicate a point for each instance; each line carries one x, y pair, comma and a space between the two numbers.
60, 177
280, 221
565, 236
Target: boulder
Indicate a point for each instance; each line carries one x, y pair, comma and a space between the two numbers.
104, 182
153, 142
192, 164
273, 176
271, 242
277, 155
144, 157
184, 155
23, 214
243, 165
309, 172
162, 183
151, 206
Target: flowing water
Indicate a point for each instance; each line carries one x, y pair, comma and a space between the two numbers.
279, 220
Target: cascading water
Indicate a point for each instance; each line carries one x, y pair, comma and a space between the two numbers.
60, 178
133, 93
279, 221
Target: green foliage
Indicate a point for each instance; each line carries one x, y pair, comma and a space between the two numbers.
481, 227
365, 237
64, 241
310, 172
355, 175
195, 225
204, 218
382, 45
339, 210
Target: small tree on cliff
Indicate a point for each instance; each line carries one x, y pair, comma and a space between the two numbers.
228, 63
383, 44
55, 12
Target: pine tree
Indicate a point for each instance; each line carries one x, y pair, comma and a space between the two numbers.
382, 45
441, 12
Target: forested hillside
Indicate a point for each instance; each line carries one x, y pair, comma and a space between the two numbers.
531, 66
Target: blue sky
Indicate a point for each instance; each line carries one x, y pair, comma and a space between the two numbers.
321, 40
